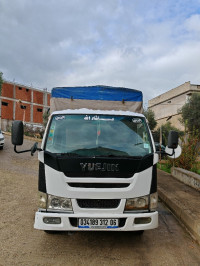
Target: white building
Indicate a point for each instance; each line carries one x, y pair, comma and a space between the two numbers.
166, 106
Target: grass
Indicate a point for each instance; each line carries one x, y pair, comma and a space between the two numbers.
196, 168
164, 167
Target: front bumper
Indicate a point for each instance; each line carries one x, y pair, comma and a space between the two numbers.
69, 221
1, 143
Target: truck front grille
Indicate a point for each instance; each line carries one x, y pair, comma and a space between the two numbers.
98, 203
99, 185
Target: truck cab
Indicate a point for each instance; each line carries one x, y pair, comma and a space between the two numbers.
97, 170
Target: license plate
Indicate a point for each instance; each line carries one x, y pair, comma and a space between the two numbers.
98, 223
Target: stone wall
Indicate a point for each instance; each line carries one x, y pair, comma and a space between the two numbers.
189, 178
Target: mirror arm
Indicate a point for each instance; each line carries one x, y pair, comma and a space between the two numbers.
38, 149
19, 151
173, 152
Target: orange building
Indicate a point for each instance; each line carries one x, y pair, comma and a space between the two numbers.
20, 102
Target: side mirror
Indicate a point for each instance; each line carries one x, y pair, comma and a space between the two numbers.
17, 137
173, 140
34, 148
17, 133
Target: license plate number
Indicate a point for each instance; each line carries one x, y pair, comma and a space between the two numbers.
98, 223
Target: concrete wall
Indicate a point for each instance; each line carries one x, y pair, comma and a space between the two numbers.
189, 178
174, 120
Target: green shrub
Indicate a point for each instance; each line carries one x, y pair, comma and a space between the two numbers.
36, 132
190, 151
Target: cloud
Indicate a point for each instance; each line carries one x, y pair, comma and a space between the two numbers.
193, 24
147, 45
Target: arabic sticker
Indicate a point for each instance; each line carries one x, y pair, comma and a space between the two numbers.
137, 120
87, 118
60, 117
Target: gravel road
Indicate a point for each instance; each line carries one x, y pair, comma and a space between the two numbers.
21, 244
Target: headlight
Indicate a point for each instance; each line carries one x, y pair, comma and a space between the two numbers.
153, 201
42, 200
59, 203
140, 203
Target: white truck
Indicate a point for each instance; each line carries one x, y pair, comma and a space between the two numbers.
97, 162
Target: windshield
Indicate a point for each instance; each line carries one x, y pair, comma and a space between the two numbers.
98, 135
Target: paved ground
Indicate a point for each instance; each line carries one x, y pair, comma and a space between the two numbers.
20, 244
183, 200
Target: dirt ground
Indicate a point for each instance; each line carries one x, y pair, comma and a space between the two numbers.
21, 244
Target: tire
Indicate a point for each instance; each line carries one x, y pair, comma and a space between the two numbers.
139, 233
1, 148
54, 232
51, 232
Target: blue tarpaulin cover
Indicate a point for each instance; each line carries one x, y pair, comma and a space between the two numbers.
105, 93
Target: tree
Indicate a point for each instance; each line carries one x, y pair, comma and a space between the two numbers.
149, 114
166, 128
1, 81
45, 117
191, 113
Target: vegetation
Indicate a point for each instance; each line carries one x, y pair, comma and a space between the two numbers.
191, 113
190, 142
149, 114
188, 159
45, 117
190, 153
36, 132
164, 166
166, 128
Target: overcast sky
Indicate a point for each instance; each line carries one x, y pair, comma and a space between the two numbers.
150, 45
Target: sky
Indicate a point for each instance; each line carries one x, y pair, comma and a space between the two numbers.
148, 45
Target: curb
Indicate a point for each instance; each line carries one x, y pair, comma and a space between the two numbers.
189, 219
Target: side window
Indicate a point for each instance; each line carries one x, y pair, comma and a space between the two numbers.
56, 137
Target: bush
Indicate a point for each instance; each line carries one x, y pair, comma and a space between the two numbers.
189, 155
35, 132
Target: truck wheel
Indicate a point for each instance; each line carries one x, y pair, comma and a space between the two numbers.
54, 232
51, 232
139, 233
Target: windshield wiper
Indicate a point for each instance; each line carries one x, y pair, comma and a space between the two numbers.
111, 155
138, 143
69, 154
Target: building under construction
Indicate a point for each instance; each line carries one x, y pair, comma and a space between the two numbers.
20, 102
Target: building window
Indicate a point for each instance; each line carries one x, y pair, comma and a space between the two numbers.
23, 106
39, 109
27, 90
20, 88
4, 103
